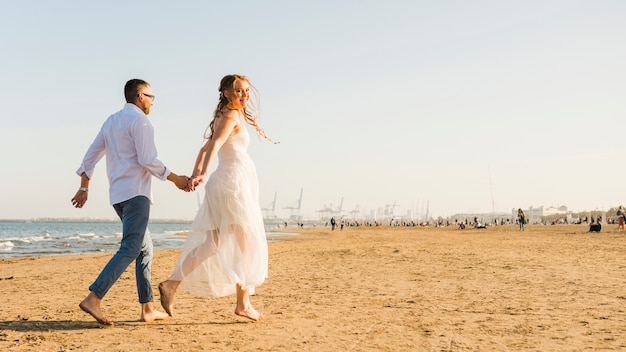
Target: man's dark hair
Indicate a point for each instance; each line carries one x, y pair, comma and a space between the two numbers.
132, 87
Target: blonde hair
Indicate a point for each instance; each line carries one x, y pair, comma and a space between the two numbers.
251, 112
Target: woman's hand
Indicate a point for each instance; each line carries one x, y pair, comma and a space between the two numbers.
194, 181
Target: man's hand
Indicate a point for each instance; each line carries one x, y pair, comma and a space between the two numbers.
80, 198
181, 182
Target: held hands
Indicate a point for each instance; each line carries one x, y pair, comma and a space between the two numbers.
185, 183
194, 181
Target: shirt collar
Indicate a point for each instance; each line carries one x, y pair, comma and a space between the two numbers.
133, 107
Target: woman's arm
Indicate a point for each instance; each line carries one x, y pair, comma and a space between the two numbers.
224, 127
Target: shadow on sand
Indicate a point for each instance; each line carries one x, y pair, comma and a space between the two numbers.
69, 325
47, 325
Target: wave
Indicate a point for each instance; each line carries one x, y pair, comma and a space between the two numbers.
6, 246
29, 239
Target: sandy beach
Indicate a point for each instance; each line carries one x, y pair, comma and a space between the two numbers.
549, 288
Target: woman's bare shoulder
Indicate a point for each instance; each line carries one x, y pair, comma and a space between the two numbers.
227, 119
230, 114
227, 116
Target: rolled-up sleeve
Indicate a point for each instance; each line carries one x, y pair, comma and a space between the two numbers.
95, 152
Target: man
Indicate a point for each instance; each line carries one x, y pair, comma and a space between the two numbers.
127, 139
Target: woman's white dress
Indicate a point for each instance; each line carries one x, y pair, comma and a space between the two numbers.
226, 244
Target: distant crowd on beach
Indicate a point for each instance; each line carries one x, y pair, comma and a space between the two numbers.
595, 221
475, 222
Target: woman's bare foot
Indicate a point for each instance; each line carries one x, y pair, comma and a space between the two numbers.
244, 308
167, 289
148, 313
249, 312
91, 305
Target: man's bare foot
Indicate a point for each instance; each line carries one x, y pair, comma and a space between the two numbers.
167, 291
91, 305
249, 312
148, 313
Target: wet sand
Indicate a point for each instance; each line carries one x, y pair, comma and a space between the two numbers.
549, 288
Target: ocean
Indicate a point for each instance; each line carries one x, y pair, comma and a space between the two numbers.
32, 239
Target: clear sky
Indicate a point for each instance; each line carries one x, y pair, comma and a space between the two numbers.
467, 106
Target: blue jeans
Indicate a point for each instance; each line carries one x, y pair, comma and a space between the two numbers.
136, 245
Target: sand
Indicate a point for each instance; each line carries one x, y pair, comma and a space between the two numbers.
549, 288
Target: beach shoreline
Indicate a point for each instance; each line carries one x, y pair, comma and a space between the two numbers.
381, 288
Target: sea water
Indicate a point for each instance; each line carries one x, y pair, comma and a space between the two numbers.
29, 239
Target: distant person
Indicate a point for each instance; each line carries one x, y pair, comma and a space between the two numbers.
225, 251
333, 223
342, 223
479, 225
127, 140
620, 218
521, 218
596, 225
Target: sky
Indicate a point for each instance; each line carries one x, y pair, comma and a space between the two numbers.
445, 106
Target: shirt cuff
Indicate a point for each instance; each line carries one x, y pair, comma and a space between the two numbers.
165, 174
82, 169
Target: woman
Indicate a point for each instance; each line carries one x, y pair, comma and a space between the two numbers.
521, 218
620, 218
225, 251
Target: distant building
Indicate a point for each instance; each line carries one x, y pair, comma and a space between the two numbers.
535, 214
